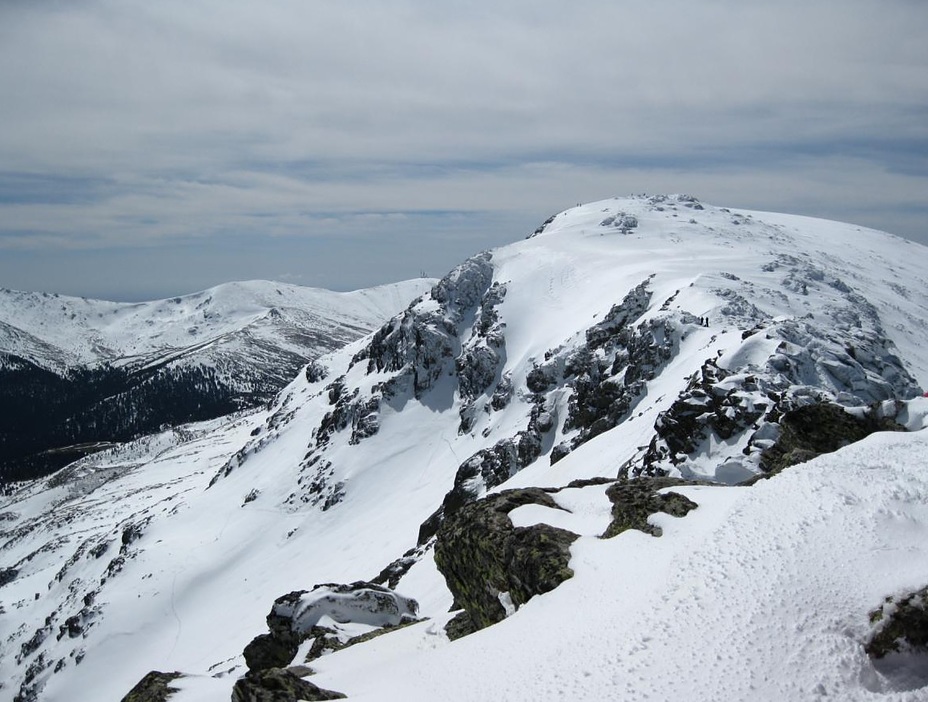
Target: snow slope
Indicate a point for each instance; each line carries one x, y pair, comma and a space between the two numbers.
761, 593
77, 372
584, 343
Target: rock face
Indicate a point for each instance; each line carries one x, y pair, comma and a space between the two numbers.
489, 564
901, 625
809, 431
279, 685
154, 687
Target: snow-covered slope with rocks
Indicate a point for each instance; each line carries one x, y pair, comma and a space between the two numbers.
629, 349
108, 371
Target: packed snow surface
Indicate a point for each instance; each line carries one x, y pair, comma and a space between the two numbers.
760, 593
169, 552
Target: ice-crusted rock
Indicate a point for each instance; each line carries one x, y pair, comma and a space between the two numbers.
486, 560
715, 402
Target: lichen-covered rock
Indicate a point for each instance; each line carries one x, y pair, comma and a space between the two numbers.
279, 685
901, 625
484, 558
154, 687
811, 430
633, 501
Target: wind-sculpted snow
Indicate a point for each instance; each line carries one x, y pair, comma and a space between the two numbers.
694, 346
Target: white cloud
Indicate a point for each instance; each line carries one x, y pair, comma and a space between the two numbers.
216, 117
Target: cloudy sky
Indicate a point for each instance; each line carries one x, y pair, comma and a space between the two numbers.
154, 148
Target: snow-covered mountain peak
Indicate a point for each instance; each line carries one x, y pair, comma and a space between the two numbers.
635, 337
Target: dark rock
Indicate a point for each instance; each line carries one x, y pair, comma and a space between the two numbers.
392, 573
542, 227
278, 685
270, 651
633, 305
328, 641
634, 501
483, 557
154, 687
703, 408
815, 429
902, 625
459, 626
490, 467
7, 575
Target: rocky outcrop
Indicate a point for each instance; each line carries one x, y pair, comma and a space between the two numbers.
633, 501
715, 403
491, 566
279, 685
811, 430
154, 687
479, 365
901, 625
294, 617
420, 344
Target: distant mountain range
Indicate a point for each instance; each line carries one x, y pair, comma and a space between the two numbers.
78, 374
657, 450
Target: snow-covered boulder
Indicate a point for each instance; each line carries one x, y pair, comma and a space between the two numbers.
361, 602
296, 616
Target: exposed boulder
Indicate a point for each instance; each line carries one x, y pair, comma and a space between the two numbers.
489, 564
901, 625
295, 617
279, 685
271, 651
633, 501
154, 687
811, 430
